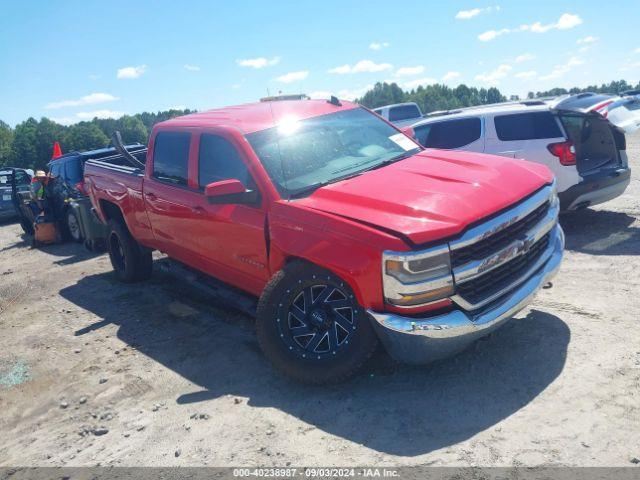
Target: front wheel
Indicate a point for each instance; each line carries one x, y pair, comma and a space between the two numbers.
311, 327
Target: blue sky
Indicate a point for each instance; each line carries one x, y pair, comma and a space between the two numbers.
70, 60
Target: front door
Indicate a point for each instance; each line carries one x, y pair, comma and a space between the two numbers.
231, 237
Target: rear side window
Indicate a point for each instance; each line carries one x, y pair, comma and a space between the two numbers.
527, 126
171, 157
449, 134
73, 170
403, 112
22, 178
219, 160
56, 169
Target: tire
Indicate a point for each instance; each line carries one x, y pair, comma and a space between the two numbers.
72, 226
27, 226
311, 328
131, 262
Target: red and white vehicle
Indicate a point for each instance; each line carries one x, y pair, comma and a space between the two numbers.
344, 230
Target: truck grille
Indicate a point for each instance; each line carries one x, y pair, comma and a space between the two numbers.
491, 259
484, 286
501, 239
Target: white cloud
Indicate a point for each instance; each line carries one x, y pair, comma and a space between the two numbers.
83, 116
191, 68
293, 76
565, 22
131, 72
420, 82
90, 99
525, 57
560, 70
409, 71
99, 114
450, 76
587, 40
378, 45
362, 66
491, 34
345, 94
629, 66
637, 50
526, 75
474, 12
259, 62
494, 77
64, 120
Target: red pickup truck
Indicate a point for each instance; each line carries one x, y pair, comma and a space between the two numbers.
346, 230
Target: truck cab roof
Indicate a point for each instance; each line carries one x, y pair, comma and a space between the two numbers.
254, 117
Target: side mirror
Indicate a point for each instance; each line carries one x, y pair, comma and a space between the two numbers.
409, 132
230, 191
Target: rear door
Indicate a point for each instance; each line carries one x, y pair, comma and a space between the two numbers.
231, 237
527, 135
452, 134
169, 197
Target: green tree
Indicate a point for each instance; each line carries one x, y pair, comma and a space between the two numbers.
83, 136
6, 138
23, 148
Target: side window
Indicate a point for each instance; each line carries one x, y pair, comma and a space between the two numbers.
527, 126
73, 170
171, 157
403, 112
422, 133
219, 160
56, 169
22, 178
453, 133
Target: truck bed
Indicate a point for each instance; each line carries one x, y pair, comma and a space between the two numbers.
112, 181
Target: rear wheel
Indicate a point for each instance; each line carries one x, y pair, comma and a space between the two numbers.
129, 259
73, 226
311, 327
27, 226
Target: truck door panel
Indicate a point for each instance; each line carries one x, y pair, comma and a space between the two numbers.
231, 236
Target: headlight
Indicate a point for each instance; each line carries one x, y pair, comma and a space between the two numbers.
417, 278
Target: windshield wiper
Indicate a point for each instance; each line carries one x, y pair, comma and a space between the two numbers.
306, 190
389, 161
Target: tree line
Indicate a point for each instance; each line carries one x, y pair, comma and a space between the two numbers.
437, 97
30, 143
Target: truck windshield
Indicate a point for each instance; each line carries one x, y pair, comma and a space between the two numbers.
300, 156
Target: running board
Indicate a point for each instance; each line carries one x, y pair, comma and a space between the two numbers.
210, 288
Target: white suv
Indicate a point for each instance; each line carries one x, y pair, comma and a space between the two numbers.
570, 134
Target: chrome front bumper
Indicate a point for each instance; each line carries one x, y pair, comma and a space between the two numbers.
419, 341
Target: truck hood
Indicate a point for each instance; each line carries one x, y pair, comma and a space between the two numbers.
432, 195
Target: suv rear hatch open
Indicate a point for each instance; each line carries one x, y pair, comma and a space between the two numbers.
599, 142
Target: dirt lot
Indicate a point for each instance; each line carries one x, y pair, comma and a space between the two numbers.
95, 372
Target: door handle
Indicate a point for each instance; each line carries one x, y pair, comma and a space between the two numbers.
150, 196
198, 210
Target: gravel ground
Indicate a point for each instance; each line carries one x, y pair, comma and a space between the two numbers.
93, 372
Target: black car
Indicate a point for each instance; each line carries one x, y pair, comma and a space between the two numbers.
22, 179
68, 184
